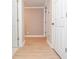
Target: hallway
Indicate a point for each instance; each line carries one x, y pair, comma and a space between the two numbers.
35, 48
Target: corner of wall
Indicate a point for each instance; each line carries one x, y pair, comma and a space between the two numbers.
50, 44
14, 51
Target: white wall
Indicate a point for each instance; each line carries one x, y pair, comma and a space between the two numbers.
14, 23
14, 27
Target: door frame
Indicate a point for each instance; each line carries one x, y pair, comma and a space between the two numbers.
20, 17
20, 20
43, 25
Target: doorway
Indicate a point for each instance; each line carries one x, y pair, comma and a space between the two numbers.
41, 27
34, 21
35, 24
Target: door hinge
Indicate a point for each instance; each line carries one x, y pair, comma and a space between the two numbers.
65, 49
45, 11
45, 7
18, 41
66, 14
17, 1
52, 23
17, 20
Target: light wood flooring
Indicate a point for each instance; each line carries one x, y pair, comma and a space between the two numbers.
35, 48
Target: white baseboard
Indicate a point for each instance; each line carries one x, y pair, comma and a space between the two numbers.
34, 36
51, 45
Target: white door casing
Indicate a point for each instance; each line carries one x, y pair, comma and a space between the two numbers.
20, 23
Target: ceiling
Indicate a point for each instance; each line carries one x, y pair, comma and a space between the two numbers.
34, 3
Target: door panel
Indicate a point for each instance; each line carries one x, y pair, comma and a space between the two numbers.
60, 22
60, 8
60, 27
59, 40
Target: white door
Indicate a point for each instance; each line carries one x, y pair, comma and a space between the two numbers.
60, 27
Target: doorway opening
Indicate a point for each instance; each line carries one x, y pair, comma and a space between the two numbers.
38, 19
41, 29
37, 31
34, 22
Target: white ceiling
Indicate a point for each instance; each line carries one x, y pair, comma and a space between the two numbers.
34, 3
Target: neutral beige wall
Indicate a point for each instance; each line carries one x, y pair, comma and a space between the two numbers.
34, 21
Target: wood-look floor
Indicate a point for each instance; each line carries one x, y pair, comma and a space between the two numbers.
35, 48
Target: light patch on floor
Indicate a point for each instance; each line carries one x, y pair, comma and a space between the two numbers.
35, 48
